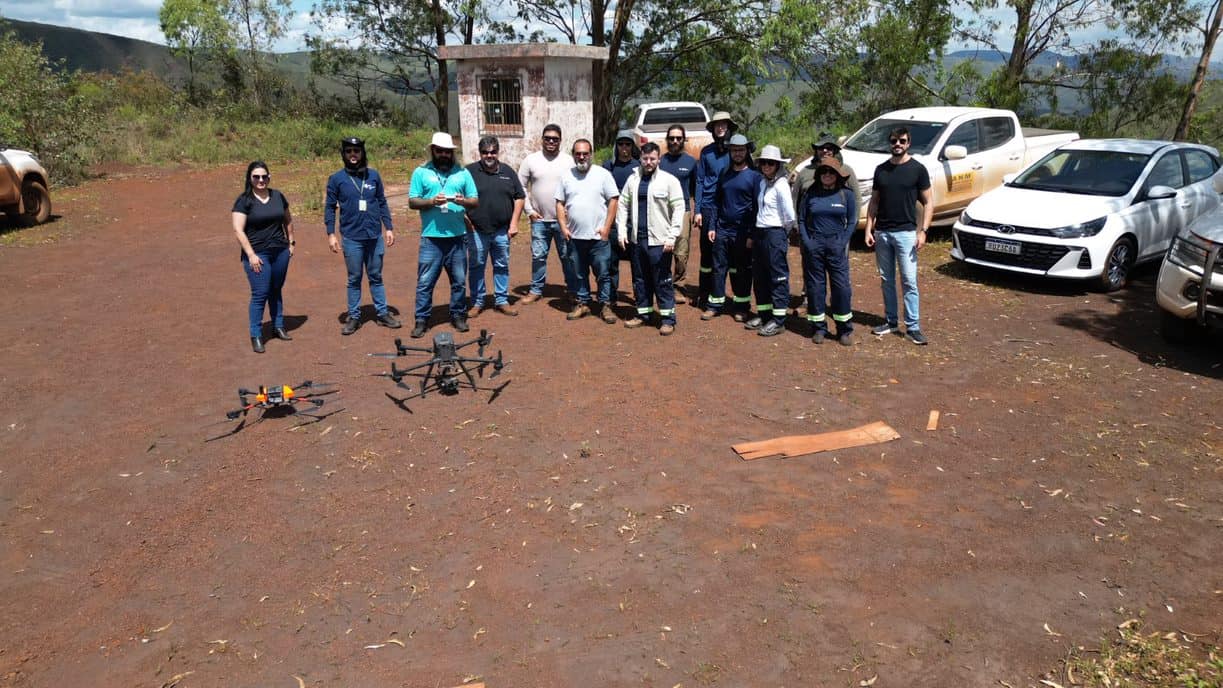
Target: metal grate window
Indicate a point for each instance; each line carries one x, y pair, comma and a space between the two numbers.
502, 106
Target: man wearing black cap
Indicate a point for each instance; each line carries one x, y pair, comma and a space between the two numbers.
710, 164
358, 193
625, 159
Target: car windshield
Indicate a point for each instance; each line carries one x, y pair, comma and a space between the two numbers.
1089, 172
873, 138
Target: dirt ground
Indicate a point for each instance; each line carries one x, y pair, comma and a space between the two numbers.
591, 526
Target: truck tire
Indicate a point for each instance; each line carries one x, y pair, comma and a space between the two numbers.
37, 202
1117, 265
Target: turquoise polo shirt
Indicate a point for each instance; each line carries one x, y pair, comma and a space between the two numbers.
428, 182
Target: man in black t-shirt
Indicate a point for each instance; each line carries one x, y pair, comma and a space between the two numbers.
490, 227
893, 228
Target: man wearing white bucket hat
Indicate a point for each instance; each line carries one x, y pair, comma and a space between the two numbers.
770, 241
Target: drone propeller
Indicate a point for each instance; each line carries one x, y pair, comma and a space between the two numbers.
497, 366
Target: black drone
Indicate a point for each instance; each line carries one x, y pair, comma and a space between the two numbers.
446, 370
278, 400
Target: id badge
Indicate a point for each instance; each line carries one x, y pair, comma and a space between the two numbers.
361, 205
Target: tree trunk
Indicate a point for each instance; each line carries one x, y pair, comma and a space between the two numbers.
1199, 74
1008, 95
441, 90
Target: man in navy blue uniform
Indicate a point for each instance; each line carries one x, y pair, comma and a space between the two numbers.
712, 162
624, 160
358, 193
682, 166
730, 220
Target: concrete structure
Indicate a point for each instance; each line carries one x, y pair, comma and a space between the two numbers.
511, 91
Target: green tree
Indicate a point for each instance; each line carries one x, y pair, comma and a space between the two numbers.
259, 23
193, 30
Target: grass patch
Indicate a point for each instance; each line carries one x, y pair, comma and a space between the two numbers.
1146, 660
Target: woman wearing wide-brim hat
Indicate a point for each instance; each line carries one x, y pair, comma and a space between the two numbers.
826, 222
770, 270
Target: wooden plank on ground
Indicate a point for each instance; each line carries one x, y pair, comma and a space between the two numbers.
798, 445
932, 424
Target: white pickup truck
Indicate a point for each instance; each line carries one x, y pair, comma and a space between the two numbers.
966, 150
23, 187
651, 120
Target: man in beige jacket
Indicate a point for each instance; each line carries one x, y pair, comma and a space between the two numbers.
650, 216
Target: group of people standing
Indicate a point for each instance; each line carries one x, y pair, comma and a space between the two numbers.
639, 206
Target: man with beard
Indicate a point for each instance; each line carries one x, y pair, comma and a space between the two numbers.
442, 192
624, 160
539, 174
650, 215
585, 208
712, 162
731, 218
682, 166
358, 192
491, 226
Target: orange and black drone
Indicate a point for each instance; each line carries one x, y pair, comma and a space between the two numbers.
278, 401
446, 370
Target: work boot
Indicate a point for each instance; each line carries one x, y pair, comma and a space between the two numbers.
280, 333
419, 330
709, 314
608, 315
505, 309
771, 328
740, 316
633, 322
351, 325
388, 320
579, 311
819, 335
530, 298
753, 324
666, 330
460, 323
846, 339
257, 344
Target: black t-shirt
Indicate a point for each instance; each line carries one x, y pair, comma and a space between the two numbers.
897, 187
498, 191
265, 222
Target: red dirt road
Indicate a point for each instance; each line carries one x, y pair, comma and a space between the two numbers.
590, 526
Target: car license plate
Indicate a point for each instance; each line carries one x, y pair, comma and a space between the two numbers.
1012, 247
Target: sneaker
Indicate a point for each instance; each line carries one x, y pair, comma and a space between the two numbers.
819, 336
419, 330
709, 314
530, 298
579, 311
388, 320
771, 328
740, 316
916, 337
505, 309
460, 323
635, 321
753, 324
846, 339
666, 330
885, 328
351, 325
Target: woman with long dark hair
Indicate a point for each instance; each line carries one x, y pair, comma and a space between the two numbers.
829, 216
264, 227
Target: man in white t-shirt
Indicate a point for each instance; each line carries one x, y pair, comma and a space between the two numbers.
539, 174
585, 209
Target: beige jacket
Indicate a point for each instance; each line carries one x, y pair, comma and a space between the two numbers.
666, 213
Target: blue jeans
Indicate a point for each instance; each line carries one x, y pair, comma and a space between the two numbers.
437, 253
891, 249
265, 288
364, 254
479, 245
587, 255
542, 233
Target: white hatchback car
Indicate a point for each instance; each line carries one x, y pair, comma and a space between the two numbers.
1091, 209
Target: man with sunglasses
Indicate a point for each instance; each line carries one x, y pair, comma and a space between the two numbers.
358, 193
682, 166
491, 225
893, 228
539, 174
714, 159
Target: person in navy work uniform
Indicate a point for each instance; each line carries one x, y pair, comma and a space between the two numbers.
712, 162
264, 226
682, 166
826, 222
358, 193
728, 224
443, 192
625, 159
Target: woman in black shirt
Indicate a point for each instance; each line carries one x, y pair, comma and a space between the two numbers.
264, 228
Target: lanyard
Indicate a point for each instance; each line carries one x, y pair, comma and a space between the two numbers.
359, 187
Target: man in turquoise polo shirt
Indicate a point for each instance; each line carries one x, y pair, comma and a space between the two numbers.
443, 192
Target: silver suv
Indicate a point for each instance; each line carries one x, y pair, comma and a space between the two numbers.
1190, 286
23, 187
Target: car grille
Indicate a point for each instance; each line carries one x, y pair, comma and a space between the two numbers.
1032, 256
1012, 229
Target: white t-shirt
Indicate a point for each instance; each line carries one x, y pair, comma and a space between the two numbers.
539, 177
586, 197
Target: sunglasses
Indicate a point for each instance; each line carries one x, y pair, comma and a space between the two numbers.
901, 141
675, 138
488, 152
351, 150
552, 139
769, 162
260, 177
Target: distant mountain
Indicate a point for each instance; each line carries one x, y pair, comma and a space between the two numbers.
1176, 64
91, 51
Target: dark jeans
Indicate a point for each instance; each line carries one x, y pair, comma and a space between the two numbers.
436, 254
364, 255
617, 256
652, 278
587, 255
771, 272
731, 258
826, 263
265, 288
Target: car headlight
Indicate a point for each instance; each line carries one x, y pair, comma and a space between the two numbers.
1082, 229
965, 219
1187, 253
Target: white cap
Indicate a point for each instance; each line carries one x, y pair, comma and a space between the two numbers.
442, 140
771, 152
